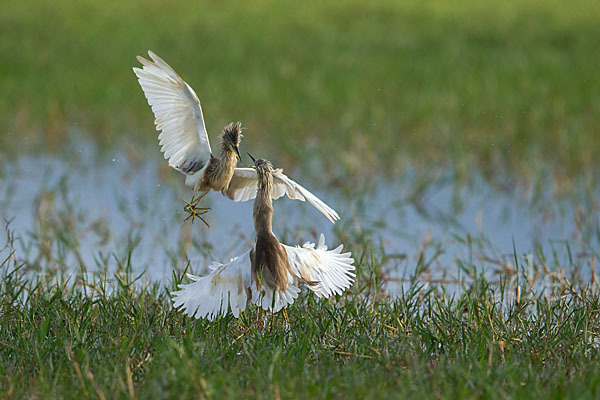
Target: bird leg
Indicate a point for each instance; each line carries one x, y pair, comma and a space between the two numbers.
191, 207
258, 274
285, 315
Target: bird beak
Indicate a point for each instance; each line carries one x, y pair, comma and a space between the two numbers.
238, 154
253, 159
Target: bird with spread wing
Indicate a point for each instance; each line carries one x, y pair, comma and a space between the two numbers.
184, 142
267, 274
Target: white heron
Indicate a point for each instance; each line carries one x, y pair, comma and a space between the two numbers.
267, 274
184, 142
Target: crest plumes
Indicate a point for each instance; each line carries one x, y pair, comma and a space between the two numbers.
232, 134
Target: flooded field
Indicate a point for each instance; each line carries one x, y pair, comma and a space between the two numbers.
458, 142
101, 213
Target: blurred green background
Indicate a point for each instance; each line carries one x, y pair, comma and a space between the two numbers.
500, 87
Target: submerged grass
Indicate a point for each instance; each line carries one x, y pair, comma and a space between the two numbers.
531, 333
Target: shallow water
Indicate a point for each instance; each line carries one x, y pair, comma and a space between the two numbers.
102, 207
460, 230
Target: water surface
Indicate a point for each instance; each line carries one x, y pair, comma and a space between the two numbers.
91, 212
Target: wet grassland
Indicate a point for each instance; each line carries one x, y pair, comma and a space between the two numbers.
458, 142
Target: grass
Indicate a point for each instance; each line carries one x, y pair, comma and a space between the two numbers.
444, 90
532, 332
505, 89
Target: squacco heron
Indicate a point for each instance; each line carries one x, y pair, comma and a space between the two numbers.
267, 274
184, 142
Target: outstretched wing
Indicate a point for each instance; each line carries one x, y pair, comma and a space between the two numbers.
183, 138
332, 270
243, 187
213, 295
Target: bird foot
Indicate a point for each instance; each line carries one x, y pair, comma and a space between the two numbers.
191, 207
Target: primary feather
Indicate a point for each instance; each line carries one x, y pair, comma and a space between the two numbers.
243, 187
211, 296
333, 270
183, 138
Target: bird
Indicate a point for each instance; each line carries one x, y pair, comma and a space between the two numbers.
184, 142
268, 273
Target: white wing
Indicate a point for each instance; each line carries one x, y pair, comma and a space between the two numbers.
243, 187
183, 140
213, 295
333, 270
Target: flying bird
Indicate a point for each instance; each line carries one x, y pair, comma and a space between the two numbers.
267, 274
184, 142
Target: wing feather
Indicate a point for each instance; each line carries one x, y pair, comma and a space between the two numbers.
298, 192
213, 295
183, 138
243, 187
332, 269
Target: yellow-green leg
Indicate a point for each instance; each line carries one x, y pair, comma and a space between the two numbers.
285, 315
193, 210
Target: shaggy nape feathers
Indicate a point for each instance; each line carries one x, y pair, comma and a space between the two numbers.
232, 134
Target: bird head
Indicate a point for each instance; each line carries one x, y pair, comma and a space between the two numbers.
262, 166
232, 137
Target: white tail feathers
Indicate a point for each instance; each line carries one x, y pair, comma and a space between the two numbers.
273, 299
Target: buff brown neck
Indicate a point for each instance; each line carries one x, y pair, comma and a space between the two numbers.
263, 204
268, 258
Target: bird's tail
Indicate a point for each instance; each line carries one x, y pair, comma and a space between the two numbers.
273, 299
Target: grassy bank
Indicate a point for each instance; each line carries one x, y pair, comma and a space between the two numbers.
531, 332
505, 88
